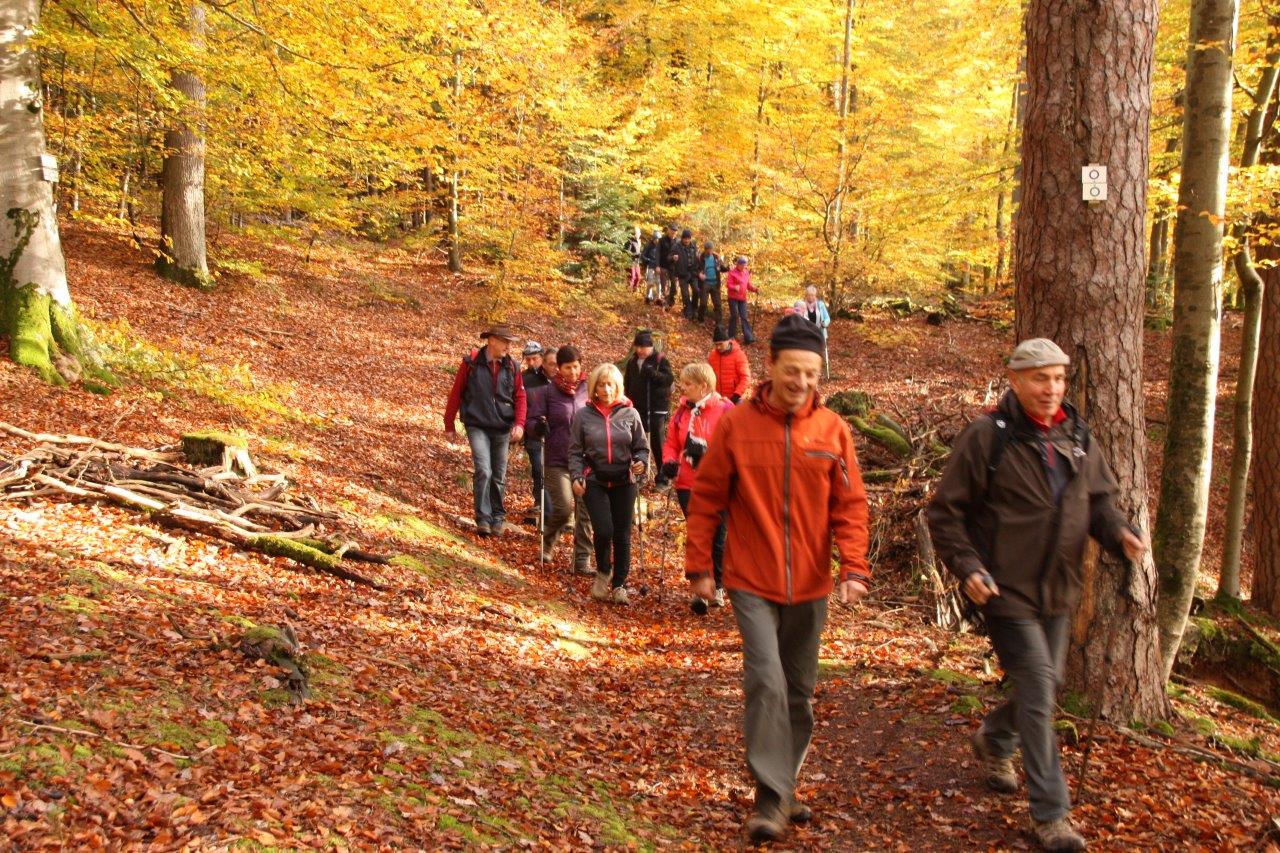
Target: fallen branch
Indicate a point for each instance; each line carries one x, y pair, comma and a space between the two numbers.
43, 727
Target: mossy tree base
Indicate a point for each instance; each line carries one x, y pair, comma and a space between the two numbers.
185, 276
47, 338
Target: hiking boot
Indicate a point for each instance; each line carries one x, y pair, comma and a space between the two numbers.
698, 605
718, 601
619, 595
584, 569
496, 528
998, 771
799, 813
483, 529
547, 553
600, 589
767, 825
1058, 836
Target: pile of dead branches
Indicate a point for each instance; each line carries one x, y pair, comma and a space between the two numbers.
901, 458
230, 500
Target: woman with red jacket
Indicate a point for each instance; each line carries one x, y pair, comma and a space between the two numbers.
691, 428
737, 286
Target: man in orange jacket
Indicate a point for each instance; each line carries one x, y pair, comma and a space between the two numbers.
783, 468
729, 362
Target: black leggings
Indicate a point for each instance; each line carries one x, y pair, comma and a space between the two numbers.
611, 510
717, 544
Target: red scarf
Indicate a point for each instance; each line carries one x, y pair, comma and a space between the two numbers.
569, 387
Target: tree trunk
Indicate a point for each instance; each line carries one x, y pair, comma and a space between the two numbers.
1158, 255
182, 244
1183, 510
761, 94
1251, 289
1002, 235
1266, 443
833, 226
455, 237
1079, 274
36, 311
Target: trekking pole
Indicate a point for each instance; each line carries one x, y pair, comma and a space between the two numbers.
826, 359
542, 504
1082, 774
662, 556
638, 520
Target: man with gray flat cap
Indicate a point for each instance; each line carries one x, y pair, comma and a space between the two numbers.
1021, 494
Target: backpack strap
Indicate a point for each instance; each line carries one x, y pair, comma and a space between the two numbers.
1004, 436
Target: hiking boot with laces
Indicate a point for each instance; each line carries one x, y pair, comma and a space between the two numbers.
547, 553
584, 569
600, 587
620, 595
998, 771
766, 825
497, 527
718, 601
483, 528
799, 812
1058, 836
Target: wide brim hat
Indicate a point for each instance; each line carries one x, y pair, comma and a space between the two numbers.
499, 330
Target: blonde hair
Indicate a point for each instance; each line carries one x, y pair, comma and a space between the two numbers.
700, 372
603, 371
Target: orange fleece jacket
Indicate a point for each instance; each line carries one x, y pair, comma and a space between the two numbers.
790, 485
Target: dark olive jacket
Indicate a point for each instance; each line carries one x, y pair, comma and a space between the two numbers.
1007, 522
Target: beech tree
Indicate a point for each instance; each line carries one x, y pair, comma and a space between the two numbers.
1251, 284
1079, 275
36, 311
183, 255
1197, 311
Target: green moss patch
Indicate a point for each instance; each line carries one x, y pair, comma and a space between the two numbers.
950, 676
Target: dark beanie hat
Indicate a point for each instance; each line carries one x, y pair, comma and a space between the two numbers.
796, 332
686, 233
720, 335
644, 338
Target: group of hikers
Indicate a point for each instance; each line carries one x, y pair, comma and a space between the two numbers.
768, 481
666, 263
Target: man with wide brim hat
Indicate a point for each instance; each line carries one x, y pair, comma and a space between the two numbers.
488, 393
1022, 493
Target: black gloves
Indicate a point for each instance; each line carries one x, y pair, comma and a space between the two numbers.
735, 398
694, 449
669, 469
539, 429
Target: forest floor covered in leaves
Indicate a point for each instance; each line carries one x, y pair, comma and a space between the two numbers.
477, 698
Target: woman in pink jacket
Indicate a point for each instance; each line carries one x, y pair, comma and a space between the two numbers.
737, 285
692, 425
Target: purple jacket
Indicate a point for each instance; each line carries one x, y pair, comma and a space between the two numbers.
555, 409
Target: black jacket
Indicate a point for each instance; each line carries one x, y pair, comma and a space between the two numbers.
648, 385
1010, 523
686, 266
649, 256
666, 248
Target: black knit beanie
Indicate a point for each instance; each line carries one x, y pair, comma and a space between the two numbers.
795, 332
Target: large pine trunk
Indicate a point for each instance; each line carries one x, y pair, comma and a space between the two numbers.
1079, 273
182, 250
1266, 451
36, 312
1197, 311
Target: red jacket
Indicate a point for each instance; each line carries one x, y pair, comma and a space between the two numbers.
790, 485
737, 284
733, 372
703, 426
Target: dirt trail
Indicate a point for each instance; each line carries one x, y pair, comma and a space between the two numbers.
481, 700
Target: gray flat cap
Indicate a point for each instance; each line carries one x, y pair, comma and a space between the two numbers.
1037, 352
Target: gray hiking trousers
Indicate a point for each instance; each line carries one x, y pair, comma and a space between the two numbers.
779, 671
1033, 653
